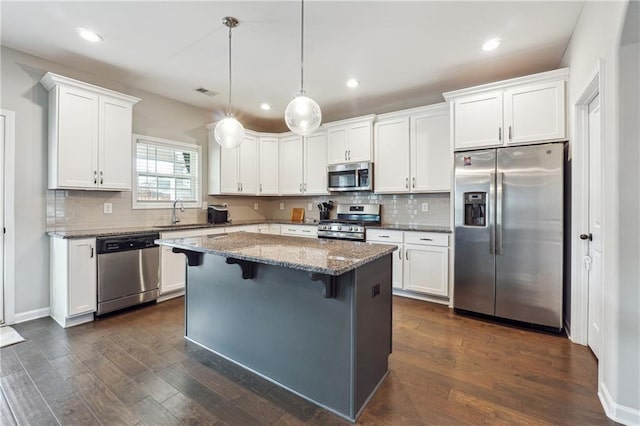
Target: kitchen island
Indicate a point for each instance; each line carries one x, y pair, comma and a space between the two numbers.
310, 315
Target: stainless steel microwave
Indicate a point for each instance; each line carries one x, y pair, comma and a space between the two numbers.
351, 177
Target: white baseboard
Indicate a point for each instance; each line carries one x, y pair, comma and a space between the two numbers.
423, 297
616, 412
31, 315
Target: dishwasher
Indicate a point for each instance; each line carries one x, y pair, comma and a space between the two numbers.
128, 271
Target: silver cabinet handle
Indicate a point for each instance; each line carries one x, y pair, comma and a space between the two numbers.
91, 247
305, 187
241, 187
406, 254
101, 178
499, 191
413, 182
491, 213
406, 183
306, 230
345, 154
349, 155
426, 239
300, 187
95, 177
510, 132
499, 133
400, 253
260, 187
383, 236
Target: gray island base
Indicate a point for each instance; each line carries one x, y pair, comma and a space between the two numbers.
312, 316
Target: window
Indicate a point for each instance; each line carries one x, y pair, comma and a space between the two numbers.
165, 171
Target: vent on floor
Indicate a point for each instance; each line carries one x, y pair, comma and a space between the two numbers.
206, 92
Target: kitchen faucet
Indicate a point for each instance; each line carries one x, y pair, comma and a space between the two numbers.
174, 217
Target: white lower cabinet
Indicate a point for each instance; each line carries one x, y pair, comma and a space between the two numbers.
306, 231
240, 228
421, 263
73, 271
173, 265
275, 229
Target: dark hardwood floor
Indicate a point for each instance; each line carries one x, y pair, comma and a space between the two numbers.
136, 368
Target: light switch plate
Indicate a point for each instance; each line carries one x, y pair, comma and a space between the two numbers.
108, 208
425, 207
281, 206
310, 206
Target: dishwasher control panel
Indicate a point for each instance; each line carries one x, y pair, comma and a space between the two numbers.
125, 243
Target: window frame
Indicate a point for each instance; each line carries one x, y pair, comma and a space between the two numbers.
139, 204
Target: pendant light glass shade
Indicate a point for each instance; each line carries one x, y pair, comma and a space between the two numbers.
303, 114
229, 133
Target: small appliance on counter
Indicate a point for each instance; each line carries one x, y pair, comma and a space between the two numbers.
217, 213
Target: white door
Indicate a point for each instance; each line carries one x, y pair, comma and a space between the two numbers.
337, 150
229, 183
315, 164
478, 121
248, 163
2, 168
114, 141
290, 165
82, 276
359, 142
426, 269
268, 166
391, 169
431, 158
594, 259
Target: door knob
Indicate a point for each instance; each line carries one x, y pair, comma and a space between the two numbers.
586, 237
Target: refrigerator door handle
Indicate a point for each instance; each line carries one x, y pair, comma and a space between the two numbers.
498, 236
490, 207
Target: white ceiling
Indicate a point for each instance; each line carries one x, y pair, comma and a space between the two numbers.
404, 53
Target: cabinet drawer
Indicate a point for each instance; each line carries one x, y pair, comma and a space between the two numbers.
384, 235
427, 238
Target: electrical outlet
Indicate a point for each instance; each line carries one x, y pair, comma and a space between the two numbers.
310, 206
108, 208
204, 205
255, 206
281, 206
425, 207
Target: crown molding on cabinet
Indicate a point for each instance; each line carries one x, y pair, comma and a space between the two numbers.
50, 80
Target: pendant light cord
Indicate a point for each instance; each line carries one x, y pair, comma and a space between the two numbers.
302, 49
229, 71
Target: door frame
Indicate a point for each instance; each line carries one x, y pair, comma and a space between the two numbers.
593, 86
9, 215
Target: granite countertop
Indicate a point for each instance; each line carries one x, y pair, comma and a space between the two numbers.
92, 233
148, 229
331, 257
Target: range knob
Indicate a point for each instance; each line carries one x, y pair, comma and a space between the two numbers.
339, 228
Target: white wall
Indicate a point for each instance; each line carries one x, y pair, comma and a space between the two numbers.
597, 36
22, 93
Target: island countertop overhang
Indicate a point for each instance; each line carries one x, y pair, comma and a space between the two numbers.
323, 256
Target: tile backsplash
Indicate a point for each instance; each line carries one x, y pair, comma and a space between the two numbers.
79, 210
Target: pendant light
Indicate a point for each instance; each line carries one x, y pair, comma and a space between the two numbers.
229, 133
303, 115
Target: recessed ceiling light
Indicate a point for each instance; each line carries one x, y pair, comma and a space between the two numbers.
265, 106
89, 35
491, 44
353, 82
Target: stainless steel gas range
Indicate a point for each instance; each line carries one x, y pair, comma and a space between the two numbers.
351, 222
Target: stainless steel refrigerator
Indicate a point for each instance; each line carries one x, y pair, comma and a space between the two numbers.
509, 233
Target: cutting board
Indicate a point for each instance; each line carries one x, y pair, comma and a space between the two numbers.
297, 215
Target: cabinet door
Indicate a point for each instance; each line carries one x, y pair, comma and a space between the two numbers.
114, 142
397, 263
229, 183
535, 113
426, 269
431, 155
391, 168
268, 166
172, 270
337, 144
478, 121
248, 163
77, 156
360, 142
82, 276
290, 165
315, 164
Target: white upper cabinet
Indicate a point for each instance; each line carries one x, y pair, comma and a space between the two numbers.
268, 169
303, 164
239, 168
350, 141
523, 110
413, 151
89, 135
